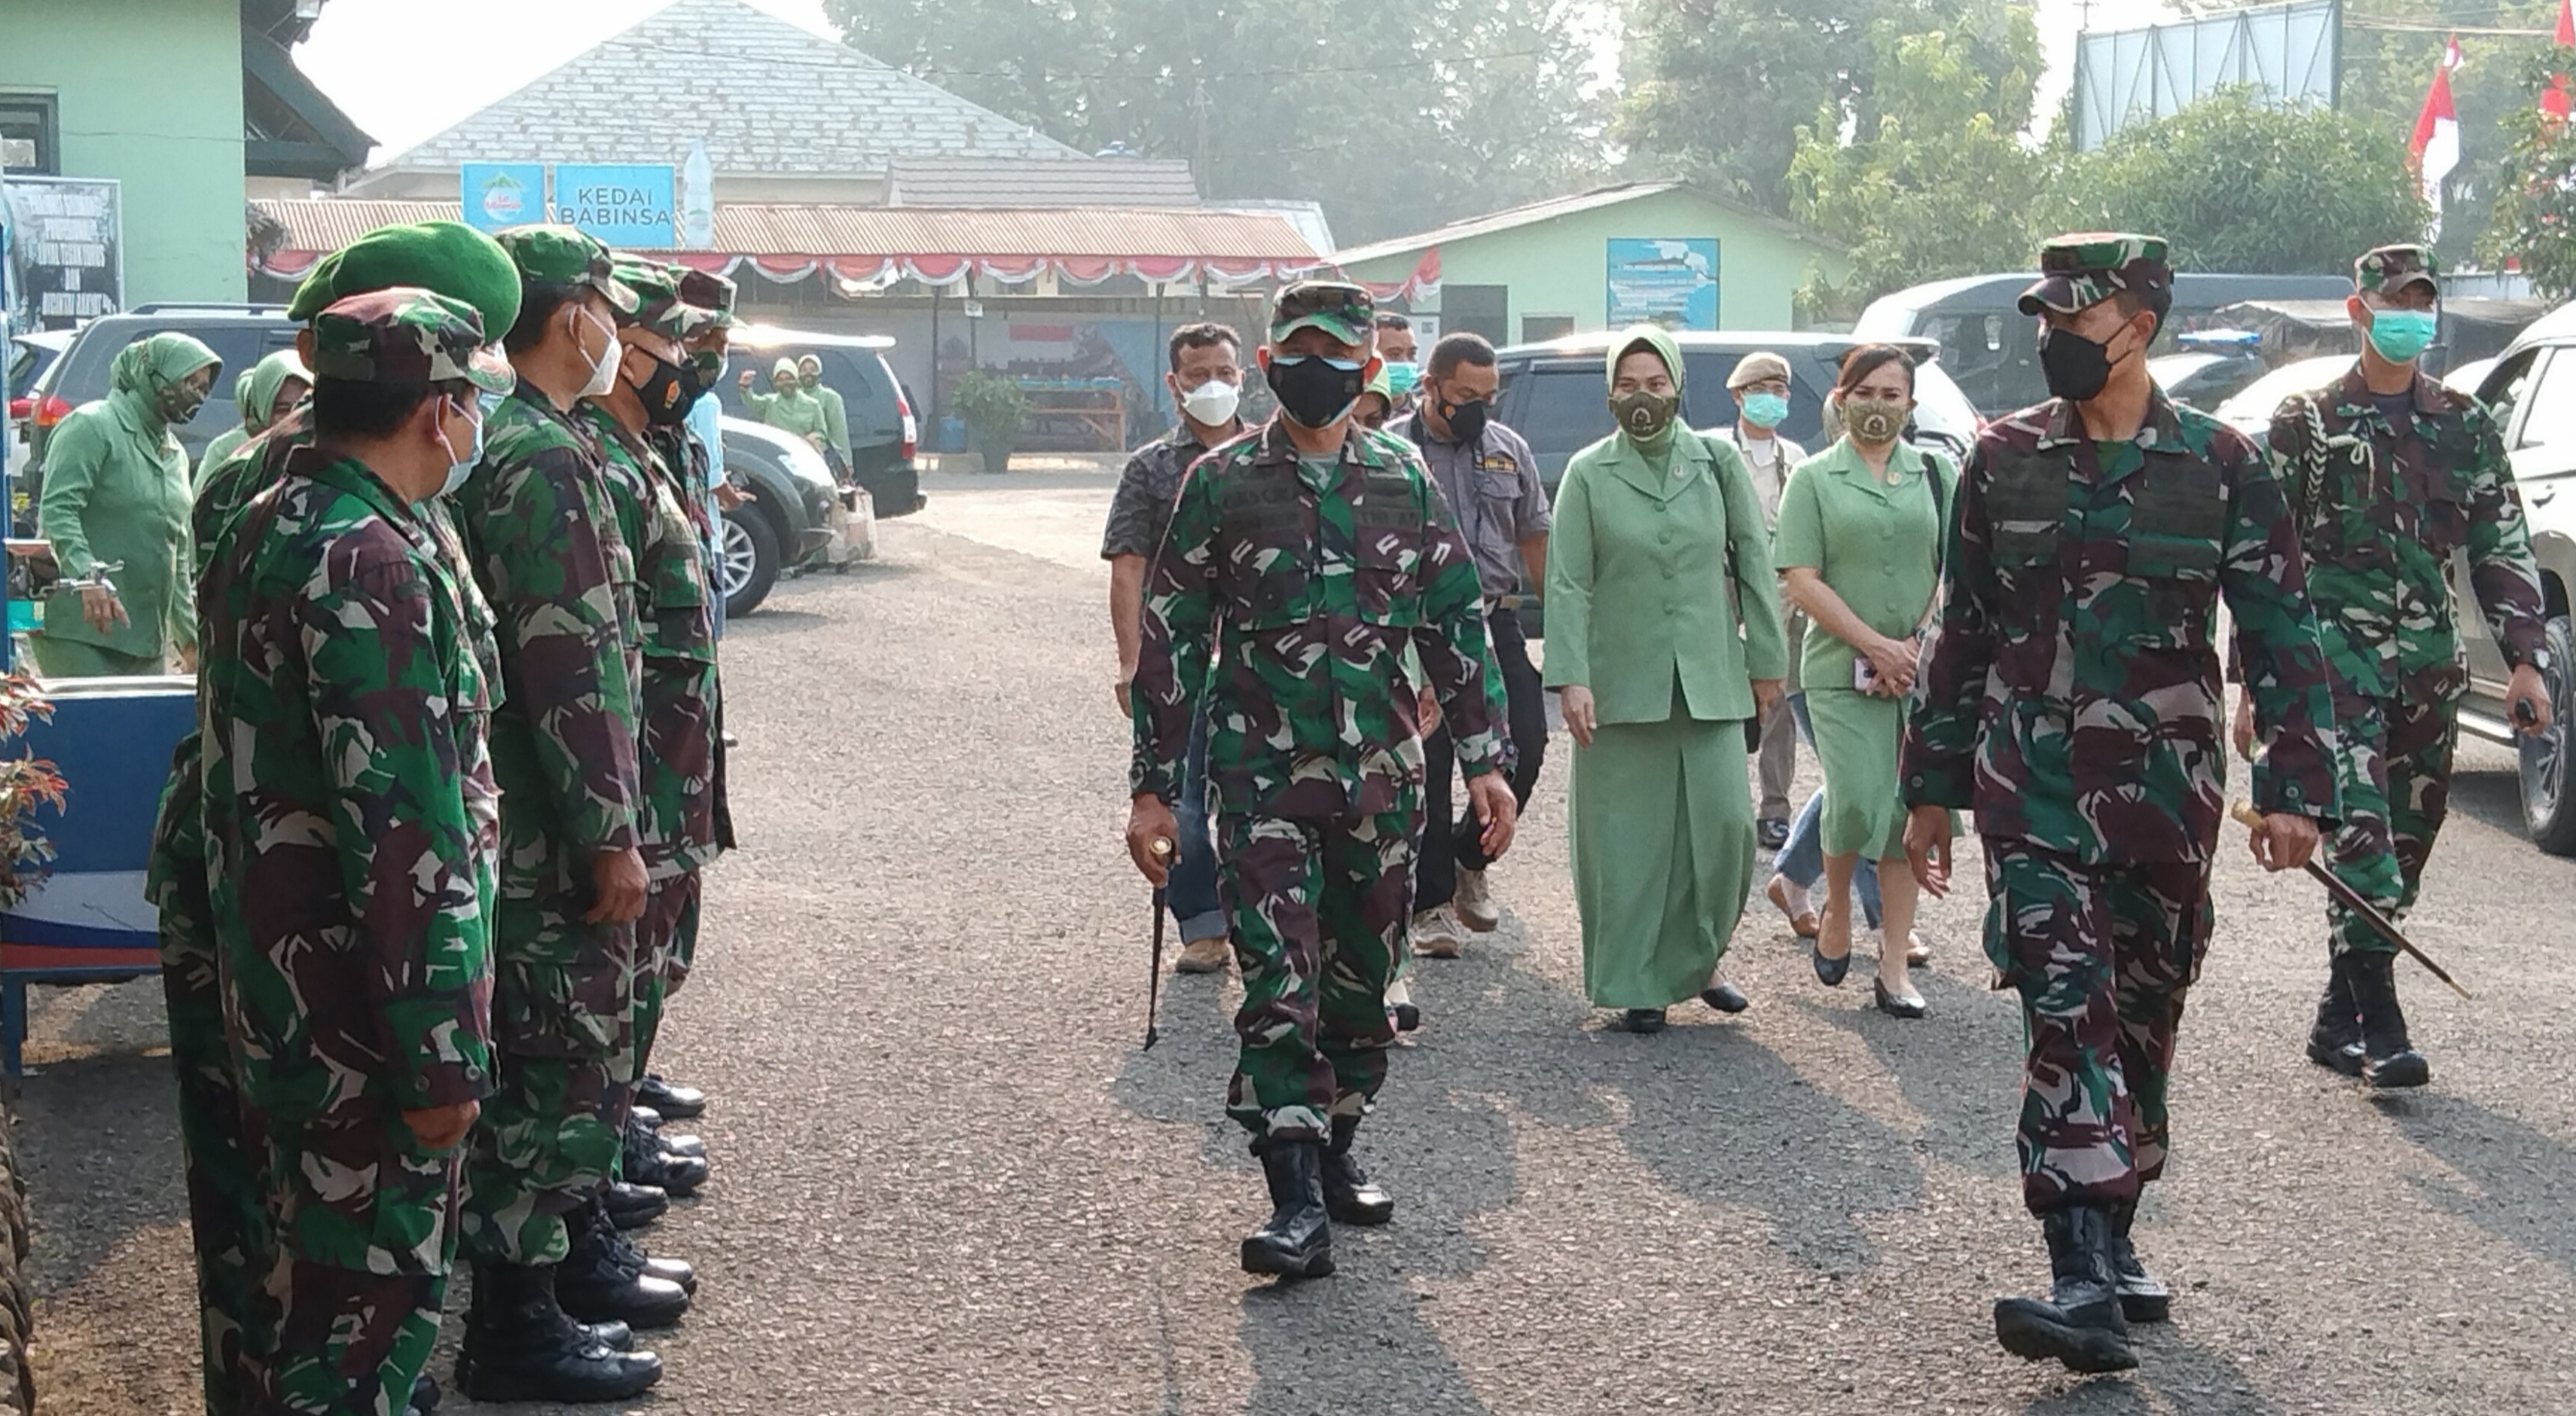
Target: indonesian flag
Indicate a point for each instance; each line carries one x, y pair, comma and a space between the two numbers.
2435, 149
2554, 103
2567, 24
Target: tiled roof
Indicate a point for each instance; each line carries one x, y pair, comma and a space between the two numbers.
768, 96
918, 181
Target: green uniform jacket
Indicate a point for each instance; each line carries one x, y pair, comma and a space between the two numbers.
1657, 575
836, 418
790, 409
116, 489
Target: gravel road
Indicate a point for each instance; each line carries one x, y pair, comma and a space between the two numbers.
947, 1181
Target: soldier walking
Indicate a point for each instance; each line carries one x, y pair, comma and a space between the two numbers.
2072, 700
2390, 476
349, 816
1301, 562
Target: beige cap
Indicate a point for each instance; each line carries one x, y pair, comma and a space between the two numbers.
1753, 368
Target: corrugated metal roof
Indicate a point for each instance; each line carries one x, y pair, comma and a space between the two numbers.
765, 94
1512, 217
788, 229
1018, 182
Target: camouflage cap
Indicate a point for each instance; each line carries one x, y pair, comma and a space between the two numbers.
2385, 270
659, 306
1346, 312
406, 335
708, 291
2079, 271
447, 257
564, 256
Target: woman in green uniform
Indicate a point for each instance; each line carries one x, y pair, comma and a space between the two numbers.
1663, 632
1859, 548
116, 492
265, 392
787, 406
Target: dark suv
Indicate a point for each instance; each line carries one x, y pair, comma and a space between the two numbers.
884, 435
240, 335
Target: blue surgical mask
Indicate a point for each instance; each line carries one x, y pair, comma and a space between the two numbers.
457, 472
1765, 410
1403, 376
2400, 335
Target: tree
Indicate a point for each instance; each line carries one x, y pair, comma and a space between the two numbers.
1396, 120
2535, 204
1916, 196
2236, 185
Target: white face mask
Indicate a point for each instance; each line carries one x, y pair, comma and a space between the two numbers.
457, 472
603, 371
1212, 403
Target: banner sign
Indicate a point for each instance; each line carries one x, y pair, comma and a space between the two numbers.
499, 195
65, 250
1672, 283
622, 204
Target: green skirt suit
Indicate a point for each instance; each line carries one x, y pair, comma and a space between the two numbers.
1878, 546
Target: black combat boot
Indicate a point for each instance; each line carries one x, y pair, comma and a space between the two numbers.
1350, 1197
2080, 1323
521, 1346
2389, 1060
685, 1146
2143, 1296
1297, 1242
596, 1226
677, 1103
425, 1396
634, 1206
2335, 1041
603, 1279
646, 1163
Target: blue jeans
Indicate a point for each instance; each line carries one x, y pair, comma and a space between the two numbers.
1802, 860
1192, 895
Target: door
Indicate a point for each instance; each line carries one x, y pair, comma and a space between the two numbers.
2533, 398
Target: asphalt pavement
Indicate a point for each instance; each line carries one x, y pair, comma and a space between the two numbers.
947, 1180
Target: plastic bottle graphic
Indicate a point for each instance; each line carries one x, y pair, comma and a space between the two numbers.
698, 198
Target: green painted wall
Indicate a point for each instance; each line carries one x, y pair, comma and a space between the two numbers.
149, 92
1560, 266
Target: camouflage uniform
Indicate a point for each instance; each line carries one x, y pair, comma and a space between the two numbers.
540, 532
2382, 510
347, 804
225, 1213
1286, 592
2072, 699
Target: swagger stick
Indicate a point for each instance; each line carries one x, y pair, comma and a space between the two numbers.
2351, 899
1154, 981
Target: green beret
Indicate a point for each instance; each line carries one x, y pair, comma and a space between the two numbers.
446, 257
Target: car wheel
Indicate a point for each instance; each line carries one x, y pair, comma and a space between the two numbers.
746, 559
2548, 806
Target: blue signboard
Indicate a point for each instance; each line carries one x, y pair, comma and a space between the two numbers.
623, 204
1672, 283
498, 195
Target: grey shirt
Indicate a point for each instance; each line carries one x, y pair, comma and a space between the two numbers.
1493, 489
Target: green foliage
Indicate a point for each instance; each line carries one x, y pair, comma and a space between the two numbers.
25, 784
2535, 204
992, 408
1395, 118
2238, 186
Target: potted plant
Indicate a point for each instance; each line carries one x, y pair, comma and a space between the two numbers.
993, 409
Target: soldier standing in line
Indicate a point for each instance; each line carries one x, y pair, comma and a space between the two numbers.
347, 802
541, 536
1302, 560
2072, 700
2389, 475
224, 1205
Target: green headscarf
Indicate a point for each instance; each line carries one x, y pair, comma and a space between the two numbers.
153, 364
258, 391
783, 376
1656, 340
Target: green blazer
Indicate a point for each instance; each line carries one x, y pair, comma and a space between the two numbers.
1640, 589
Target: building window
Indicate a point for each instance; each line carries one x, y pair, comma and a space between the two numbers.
1477, 309
1538, 329
30, 141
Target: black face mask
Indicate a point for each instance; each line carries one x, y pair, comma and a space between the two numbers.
665, 394
2076, 368
1313, 391
1466, 420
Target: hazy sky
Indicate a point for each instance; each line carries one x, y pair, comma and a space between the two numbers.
476, 51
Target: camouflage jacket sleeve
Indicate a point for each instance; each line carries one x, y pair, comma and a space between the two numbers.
1757, 586
1939, 766
2501, 568
1179, 642
1457, 656
388, 721
546, 548
2263, 575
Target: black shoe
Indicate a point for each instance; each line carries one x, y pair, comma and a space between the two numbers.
686, 1147
633, 1206
2079, 1324
644, 1116
1642, 1020
1772, 833
2388, 1060
1898, 1005
1829, 972
595, 1283
521, 1346
1408, 1017
594, 1226
2334, 1042
1725, 997
425, 1396
677, 1103
616, 1337
1298, 1240
646, 1163
1350, 1197
2143, 1296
